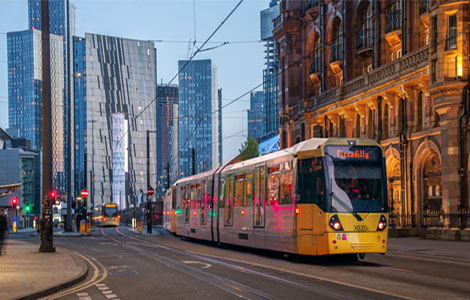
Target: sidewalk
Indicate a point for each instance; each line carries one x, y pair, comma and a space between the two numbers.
416, 246
25, 273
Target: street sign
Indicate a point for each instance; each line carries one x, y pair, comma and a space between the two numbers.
88, 228
150, 191
84, 193
82, 226
139, 226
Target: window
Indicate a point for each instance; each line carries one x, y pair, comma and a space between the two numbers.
435, 33
311, 183
273, 185
451, 66
222, 193
229, 200
259, 197
286, 183
451, 41
239, 191
248, 189
433, 70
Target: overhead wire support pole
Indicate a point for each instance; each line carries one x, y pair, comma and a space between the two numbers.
149, 202
47, 243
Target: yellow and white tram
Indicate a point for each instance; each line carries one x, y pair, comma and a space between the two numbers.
319, 197
108, 215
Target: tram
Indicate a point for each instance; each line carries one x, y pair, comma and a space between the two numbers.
108, 215
169, 210
319, 197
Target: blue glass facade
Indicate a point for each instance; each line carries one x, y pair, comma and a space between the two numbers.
256, 120
198, 129
270, 73
167, 136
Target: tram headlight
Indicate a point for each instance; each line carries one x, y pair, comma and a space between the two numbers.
382, 223
335, 224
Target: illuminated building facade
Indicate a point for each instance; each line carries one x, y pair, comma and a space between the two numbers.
393, 71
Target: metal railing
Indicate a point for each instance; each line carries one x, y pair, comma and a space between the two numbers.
364, 38
431, 219
336, 52
393, 20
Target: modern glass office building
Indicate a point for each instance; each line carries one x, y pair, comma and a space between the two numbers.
270, 77
256, 120
167, 137
198, 122
117, 86
25, 98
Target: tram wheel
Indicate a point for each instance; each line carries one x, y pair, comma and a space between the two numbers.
361, 256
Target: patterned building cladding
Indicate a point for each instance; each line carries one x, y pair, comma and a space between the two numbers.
394, 71
118, 77
256, 120
25, 97
198, 128
167, 136
62, 24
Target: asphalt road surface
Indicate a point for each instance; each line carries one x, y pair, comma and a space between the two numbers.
126, 265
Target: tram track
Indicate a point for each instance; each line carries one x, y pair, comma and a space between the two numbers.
231, 264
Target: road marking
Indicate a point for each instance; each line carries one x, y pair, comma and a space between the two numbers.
204, 265
306, 275
100, 284
82, 294
103, 288
107, 292
111, 296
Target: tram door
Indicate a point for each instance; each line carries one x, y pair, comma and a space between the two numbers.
228, 215
259, 198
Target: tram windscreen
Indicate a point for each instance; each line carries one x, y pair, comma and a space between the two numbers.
110, 211
355, 179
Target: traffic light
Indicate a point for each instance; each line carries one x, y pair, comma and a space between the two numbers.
53, 195
14, 202
27, 208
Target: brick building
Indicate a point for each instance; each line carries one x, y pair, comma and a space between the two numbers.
394, 71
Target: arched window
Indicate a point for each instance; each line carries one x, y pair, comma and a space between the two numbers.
365, 29
315, 65
337, 41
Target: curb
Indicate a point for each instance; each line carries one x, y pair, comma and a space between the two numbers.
48, 291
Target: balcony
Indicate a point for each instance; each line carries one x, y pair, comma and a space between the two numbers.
364, 41
315, 69
336, 57
393, 27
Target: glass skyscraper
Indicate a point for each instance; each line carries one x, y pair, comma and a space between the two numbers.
256, 120
167, 136
270, 77
117, 83
25, 97
198, 122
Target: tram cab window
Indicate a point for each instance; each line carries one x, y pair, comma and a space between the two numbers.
311, 182
286, 183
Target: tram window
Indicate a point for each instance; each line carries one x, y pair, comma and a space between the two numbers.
198, 196
286, 183
209, 194
259, 197
248, 189
229, 200
193, 197
311, 184
273, 186
173, 198
222, 193
239, 191
202, 196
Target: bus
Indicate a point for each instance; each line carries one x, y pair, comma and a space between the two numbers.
319, 197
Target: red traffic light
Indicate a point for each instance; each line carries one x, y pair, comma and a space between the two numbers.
14, 201
52, 194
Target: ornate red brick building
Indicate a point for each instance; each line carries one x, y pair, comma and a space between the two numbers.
394, 71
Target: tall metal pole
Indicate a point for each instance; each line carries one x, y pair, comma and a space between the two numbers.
47, 244
79, 188
149, 204
68, 224
92, 171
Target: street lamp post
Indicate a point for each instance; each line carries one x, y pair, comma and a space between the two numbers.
149, 204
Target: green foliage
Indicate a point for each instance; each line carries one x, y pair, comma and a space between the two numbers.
249, 149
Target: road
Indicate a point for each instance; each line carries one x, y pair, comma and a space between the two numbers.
126, 265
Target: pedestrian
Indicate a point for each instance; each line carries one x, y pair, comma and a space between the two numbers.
3, 231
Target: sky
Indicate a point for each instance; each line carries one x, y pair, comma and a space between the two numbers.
239, 65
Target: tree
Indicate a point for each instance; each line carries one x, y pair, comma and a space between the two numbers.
249, 149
